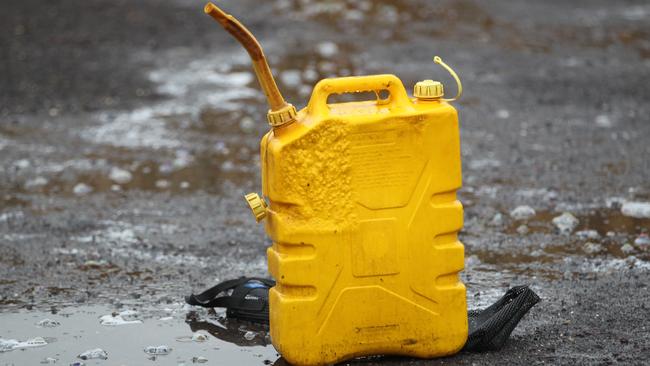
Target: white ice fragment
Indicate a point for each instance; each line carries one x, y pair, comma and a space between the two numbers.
22, 164
221, 148
30, 343
603, 121
166, 318
640, 210
642, 241
247, 124
48, 360
120, 176
522, 229
162, 183
592, 248
588, 234
522, 213
92, 354
327, 49
249, 336
310, 74
116, 320
129, 314
36, 183
627, 249
199, 359
48, 323
503, 114
636, 13
484, 163
566, 223
157, 350
227, 166
199, 337
82, 189
497, 220
7, 345
290, 78
183, 159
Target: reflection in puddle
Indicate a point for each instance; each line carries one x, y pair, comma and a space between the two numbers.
80, 331
602, 221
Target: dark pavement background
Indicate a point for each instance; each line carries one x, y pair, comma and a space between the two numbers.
129, 133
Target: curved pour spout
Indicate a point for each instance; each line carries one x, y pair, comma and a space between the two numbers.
260, 65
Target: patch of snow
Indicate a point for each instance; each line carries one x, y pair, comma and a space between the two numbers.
120, 176
522, 213
566, 223
640, 210
327, 49
82, 189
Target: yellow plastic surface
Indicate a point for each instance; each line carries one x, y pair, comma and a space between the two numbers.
364, 221
257, 206
428, 89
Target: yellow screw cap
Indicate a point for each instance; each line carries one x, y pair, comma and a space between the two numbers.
428, 89
257, 205
282, 116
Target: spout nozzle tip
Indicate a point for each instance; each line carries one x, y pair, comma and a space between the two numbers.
214, 10
208, 8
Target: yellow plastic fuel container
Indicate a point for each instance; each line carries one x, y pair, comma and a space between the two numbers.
359, 199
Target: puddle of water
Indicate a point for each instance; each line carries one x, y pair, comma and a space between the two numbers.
602, 220
206, 171
80, 330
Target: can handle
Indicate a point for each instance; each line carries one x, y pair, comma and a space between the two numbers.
357, 84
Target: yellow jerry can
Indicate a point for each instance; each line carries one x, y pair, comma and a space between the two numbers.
364, 218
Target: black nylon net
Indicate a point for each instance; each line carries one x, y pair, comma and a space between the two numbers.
490, 328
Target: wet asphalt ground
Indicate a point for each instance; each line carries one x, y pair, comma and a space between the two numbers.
129, 133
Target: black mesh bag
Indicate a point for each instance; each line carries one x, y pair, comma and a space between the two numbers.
245, 298
489, 329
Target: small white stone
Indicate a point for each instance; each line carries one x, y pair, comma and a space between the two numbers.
640, 210
503, 113
497, 220
310, 75
566, 223
603, 121
227, 166
22, 164
249, 336
627, 249
522, 229
162, 183
82, 189
48, 323
592, 248
199, 337
588, 234
522, 213
185, 185
37, 182
642, 241
120, 176
247, 124
291, 78
327, 49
